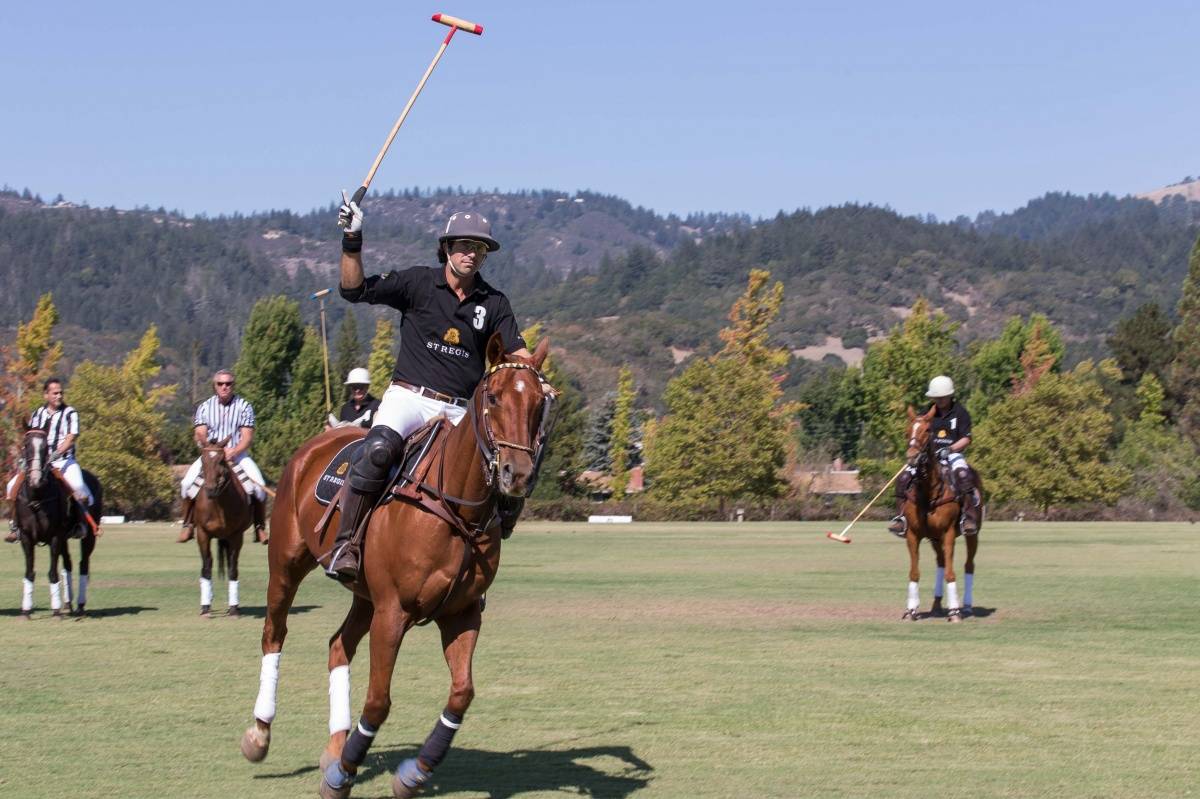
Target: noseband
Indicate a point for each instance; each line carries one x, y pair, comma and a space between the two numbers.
485, 438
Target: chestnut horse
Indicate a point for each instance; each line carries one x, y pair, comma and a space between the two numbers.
932, 512
425, 558
46, 513
222, 512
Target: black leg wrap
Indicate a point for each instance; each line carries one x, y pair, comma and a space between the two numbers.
382, 447
434, 750
355, 750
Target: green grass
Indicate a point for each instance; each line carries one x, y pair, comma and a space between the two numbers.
650, 660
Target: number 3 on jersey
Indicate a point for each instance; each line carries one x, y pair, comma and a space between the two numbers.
480, 313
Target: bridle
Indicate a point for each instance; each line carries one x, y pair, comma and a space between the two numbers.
223, 475
485, 437
34, 463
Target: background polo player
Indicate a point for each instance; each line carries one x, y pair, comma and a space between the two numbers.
448, 315
226, 415
361, 407
61, 423
951, 432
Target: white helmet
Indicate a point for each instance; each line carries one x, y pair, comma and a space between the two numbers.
358, 377
940, 386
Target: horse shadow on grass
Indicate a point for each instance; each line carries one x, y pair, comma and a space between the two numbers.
92, 613
974, 613
503, 775
261, 612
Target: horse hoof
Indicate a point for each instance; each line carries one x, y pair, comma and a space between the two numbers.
255, 744
909, 615
206, 611
967, 610
329, 792
58, 614
954, 616
26, 616
326, 759
233, 612
402, 791
80, 612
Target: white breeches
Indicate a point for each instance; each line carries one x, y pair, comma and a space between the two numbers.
957, 461
188, 488
71, 473
404, 411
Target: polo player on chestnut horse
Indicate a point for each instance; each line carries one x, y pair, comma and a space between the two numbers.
940, 496
428, 554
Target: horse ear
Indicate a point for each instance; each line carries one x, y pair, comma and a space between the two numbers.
495, 349
224, 442
540, 352
929, 413
912, 415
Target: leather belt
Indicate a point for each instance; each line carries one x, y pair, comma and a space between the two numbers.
429, 392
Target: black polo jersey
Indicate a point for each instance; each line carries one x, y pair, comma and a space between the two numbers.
350, 411
949, 427
443, 342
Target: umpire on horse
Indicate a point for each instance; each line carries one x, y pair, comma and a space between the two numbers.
449, 313
226, 417
951, 431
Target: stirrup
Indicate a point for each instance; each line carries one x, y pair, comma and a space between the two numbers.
343, 573
901, 520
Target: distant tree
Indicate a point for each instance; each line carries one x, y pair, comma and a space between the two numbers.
897, 370
726, 430
383, 356
1142, 343
122, 427
298, 416
831, 417
621, 439
563, 459
348, 355
270, 343
1049, 444
1185, 368
1162, 464
597, 449
996, 365
24, 366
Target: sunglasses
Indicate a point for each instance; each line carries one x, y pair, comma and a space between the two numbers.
467, 245
224, 383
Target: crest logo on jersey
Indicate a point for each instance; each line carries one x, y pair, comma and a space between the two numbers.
941, 434
451, 336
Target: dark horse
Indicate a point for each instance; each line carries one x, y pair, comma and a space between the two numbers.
426, 557
222, 512
46, 513
932, 512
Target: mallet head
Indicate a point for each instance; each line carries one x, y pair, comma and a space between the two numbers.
461, 24
845, 539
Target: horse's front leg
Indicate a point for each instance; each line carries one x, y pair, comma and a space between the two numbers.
28, 545
206, 562
954, 610
388, 627
235, 552
914, 576
969, 573
459, 636
86, 546
939, 577
65, 573
342, 647
57, 544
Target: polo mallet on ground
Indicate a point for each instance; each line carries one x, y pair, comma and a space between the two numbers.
845, 539
455, 24
320, 295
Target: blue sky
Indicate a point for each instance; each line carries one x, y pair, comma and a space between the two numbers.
753, 107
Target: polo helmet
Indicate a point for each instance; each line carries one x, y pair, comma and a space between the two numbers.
469, 225
940, 386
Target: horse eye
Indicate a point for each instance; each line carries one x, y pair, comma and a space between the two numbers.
491, 398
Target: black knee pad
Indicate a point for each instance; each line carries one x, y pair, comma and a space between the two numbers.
381, 449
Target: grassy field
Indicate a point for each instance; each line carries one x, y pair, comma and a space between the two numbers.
647, 661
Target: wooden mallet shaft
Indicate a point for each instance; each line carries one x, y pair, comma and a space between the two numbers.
845, 539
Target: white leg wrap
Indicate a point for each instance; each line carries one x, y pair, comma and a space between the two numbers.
939, 582
339, 700
205, 591
968, 589
55, 596
66, 584
26, 595
83, 583
233, 593
952, 595
268, 681
914, 599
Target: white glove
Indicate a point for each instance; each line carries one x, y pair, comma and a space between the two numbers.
350, 216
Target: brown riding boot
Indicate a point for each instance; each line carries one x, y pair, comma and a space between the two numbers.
899, 524
188, 531
968, 497
344, 560
259, 508
13, 533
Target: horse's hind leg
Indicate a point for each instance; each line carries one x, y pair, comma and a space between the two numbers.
914, 577
969, 571
86, 545
939, 578
27, 581
342, 647
235, 552
57, 544
65, 573
388, 627
954, 609
459, 636
285, 579
206, 563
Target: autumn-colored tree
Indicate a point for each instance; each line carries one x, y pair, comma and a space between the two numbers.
995, 367
24, 365
725, 434
121, 429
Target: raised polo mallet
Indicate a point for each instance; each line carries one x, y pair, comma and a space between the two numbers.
845, 539
455, 24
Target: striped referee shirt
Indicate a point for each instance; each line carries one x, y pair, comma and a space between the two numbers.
224, 420
58, 425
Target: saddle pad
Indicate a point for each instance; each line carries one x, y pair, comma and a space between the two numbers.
337, 472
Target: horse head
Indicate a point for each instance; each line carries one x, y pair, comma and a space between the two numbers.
512, 412
918, 435
215, 469
35, 454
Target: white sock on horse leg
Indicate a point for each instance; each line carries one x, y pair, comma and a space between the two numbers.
205, 591
939, 582
339, 700
26, 595
268, 680
66, 583
233, 593
914, 598
56, 596
952, 595
81, 597
968, 589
